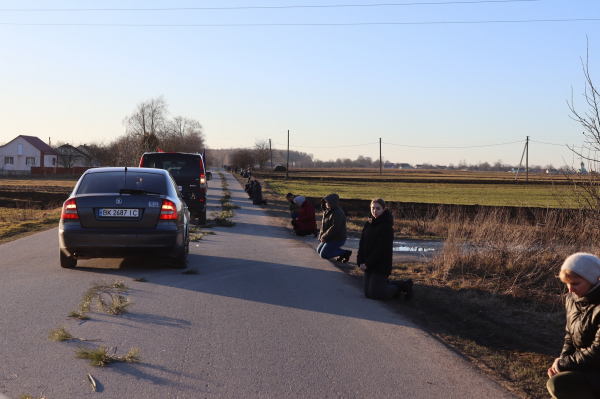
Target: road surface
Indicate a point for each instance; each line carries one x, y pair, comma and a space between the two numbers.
264, 318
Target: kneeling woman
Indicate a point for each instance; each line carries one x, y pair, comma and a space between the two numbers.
375, 252
576, 373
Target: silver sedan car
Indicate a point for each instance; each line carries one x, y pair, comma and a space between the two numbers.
124, 212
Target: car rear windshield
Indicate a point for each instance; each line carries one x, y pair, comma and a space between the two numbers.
178, 165
114, 182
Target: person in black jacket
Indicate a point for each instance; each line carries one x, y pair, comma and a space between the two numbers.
576, 373
375, 252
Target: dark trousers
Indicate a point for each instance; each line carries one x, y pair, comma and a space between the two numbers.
299, 231
331, 249
570, 385
376, 286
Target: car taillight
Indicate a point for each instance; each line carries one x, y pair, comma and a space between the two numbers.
69, 210
168, 210
142, 162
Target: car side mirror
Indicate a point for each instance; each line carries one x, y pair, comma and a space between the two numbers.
208, 175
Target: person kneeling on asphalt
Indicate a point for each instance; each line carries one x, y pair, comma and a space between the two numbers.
306, 222
333, 230
294, 207
375, 253
576, 373
256, 194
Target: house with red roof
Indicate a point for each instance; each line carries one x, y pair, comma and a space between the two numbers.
24, 152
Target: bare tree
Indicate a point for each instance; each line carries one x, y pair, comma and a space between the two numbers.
243, 158
586, 186
182, 134
147, 123
261, 153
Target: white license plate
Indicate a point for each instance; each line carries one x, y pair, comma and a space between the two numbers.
119, 213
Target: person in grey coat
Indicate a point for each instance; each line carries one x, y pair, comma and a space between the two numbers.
576, 372
333, 230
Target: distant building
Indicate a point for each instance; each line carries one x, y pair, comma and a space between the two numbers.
24, 152
405, 166
552, 171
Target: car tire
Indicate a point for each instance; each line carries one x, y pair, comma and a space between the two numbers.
187, 243
67, 262
180, 262
202, 217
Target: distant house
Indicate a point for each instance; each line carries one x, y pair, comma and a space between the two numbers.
405, 166
69, 156
389, 165
24, 152
419, 166
552, 171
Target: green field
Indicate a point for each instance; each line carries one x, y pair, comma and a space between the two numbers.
435, 193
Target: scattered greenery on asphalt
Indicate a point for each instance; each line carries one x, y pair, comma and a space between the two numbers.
230, 205
191, 271
140, 280
59, 334
107, 298
30, 396
102, 356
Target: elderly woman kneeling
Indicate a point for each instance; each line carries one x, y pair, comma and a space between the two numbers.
576, 373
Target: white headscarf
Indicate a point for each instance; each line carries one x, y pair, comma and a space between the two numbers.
299, 200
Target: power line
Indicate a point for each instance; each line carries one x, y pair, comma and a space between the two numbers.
541, 142
266, 7
306, 24
340, 146
449, 147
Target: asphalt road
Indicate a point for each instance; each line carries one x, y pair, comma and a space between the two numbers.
264, 318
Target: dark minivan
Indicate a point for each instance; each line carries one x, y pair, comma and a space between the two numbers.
189, 173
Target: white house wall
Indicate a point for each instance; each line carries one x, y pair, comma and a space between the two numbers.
48, 163
11, 150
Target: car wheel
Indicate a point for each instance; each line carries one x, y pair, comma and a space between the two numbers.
202, 217
180, 262
67, 262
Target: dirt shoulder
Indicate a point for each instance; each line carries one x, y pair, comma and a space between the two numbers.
512, 341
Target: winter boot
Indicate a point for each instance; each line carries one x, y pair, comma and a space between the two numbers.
346, 256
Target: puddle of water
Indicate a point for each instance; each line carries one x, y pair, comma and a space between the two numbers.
412, 249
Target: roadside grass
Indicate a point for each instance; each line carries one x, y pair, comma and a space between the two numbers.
435, 193
103, 356
17, 223
140, 279
371, 174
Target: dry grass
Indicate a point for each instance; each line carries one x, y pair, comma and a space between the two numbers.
520, 258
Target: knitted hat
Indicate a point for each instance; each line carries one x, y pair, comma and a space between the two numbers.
585, 265
299, 200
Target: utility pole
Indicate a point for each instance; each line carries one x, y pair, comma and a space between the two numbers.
527, 161
380, 160
271, 151
287, 169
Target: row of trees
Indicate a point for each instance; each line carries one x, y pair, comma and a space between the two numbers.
147, 129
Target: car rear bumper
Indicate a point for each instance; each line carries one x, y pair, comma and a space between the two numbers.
93, 244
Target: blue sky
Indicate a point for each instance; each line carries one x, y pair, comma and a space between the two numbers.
429, 85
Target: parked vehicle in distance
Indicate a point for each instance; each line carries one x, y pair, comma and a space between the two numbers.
122, 213
189, 173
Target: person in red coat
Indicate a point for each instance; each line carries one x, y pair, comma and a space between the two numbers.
306, 222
